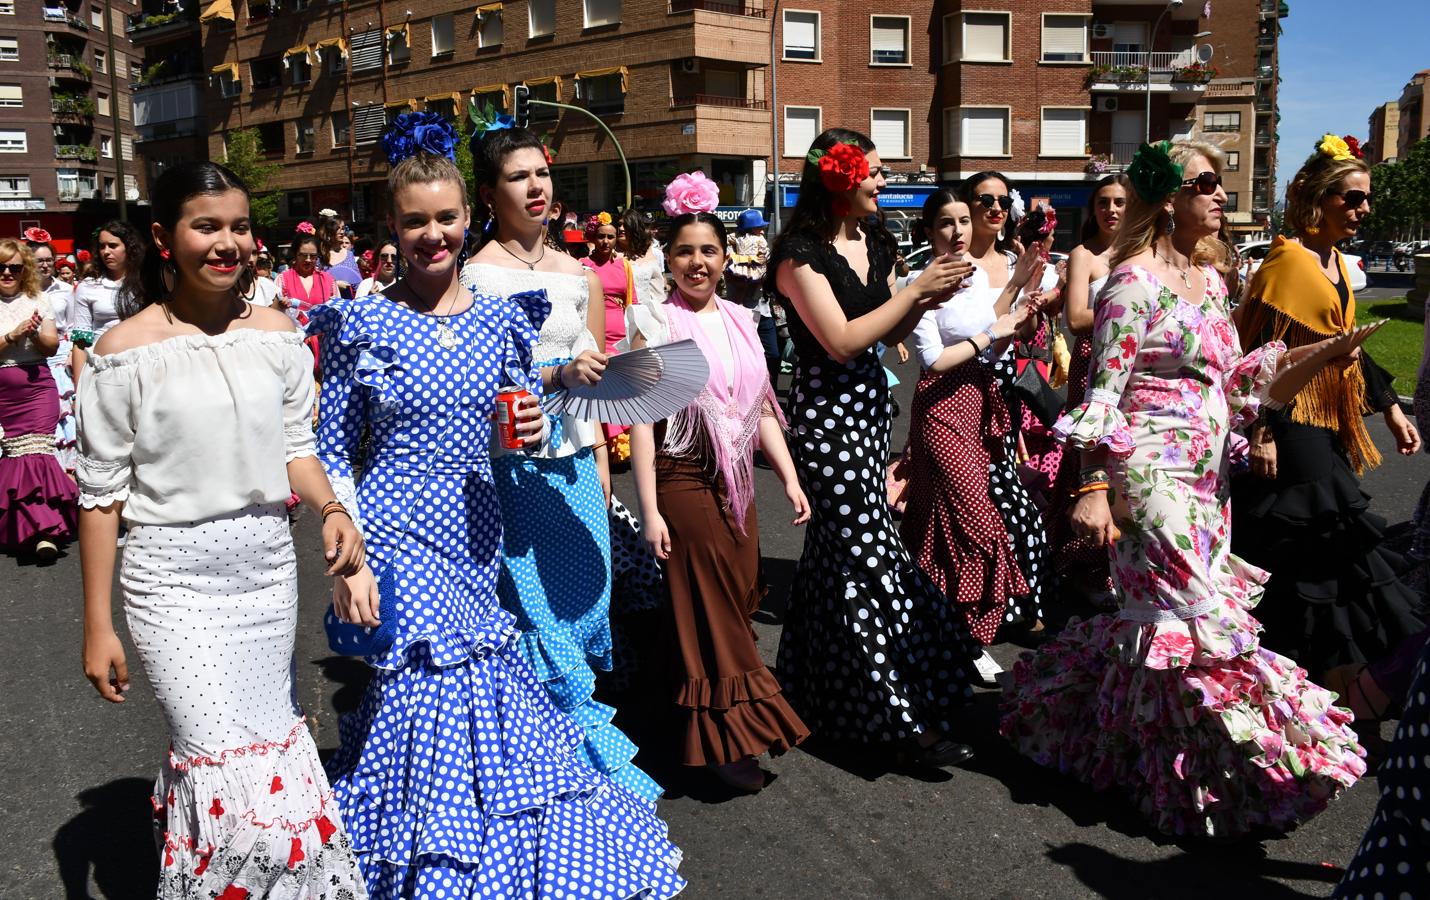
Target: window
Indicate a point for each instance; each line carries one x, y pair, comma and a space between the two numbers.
889, 41
1233, 160
96, 17
983, 131
303, 129
270, 138
889, 129
101, 103
399, 46
340, 125
297, 202
266, 73
496, 100
445, 107
602, 12
573, 184
801, 128
1064, 38
300, 70
367, 51
228, 86
9, 49
1231, 202
108, 188
1064, 132
1222, 121
801, 35
337, 62
106, 146
444, 39
489, 31
604, 94
7, 8
986, 37
541, 17
550, 91
368, 123
101, 61
11, 95
13, 141
14, 185
126, 146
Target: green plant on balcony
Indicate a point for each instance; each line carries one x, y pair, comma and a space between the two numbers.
76, 151
1100, 73
1196, 73
1098, 164
155, 20
152, 72
72, 105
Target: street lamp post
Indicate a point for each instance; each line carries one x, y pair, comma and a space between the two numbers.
1152, 42
774, 118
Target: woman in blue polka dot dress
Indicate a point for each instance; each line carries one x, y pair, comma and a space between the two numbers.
457, 775
556, 541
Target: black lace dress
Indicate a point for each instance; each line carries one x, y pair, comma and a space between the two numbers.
872, 651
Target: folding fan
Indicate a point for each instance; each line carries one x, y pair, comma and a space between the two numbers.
639, 387
1288, 382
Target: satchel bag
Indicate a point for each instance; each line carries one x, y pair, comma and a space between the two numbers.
1033, 390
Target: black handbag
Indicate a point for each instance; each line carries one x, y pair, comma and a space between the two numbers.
1033, 390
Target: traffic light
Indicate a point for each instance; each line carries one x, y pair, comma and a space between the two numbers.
521, 101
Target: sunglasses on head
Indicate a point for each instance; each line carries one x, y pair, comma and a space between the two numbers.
1206, 183
987, 201
12, 268
1354, 198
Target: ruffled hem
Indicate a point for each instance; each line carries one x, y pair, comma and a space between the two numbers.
733, 718
450, 647
1205, 745
377, 362
104, 500
37, 501
471, 767
185, 342
258, 818
1096, 424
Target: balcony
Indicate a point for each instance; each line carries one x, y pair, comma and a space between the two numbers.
729, 126
74, 193
76, 151
716, 100
147, 28
1108, 158
1263, 139
58, 15
1118, 70
72, 106
730, 32
21, 204
725, 7
168, 110
66, 65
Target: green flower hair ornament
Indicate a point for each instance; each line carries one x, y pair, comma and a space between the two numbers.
1152, 172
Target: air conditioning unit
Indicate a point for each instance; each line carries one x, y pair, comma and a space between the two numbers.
1101, 31
690, 66
1106, 104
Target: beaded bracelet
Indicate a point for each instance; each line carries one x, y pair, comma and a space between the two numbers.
1090, 488
332, 507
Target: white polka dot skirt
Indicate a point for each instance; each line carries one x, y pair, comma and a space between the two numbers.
242, 803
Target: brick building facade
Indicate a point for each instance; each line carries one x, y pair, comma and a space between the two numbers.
67, 136
1383, 141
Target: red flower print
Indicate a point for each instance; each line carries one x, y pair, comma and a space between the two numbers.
295, 853
1114, 363
154, 802
171, 796
216, 809
325, 828
1128, 345
202, 867
1170, 649
276, 786
233, 892
168, 857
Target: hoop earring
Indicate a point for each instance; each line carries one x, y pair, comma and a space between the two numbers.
243, 292
168, 276
1171, 226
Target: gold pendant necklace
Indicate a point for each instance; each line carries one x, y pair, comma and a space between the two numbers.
1186, 279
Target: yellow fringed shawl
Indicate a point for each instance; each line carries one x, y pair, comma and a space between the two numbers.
1290, 297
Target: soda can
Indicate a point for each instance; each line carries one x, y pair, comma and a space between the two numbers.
509, 400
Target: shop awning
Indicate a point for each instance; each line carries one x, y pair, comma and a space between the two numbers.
395, 104
549, 79
303, 50
229, 68
340, 43
217, 9
455, 97
603, 73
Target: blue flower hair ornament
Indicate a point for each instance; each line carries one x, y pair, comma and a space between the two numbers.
420, 132
485, 121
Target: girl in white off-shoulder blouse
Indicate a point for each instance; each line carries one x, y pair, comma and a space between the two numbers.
194, 420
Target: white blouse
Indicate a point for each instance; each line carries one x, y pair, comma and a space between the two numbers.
966, 314
13, 312
195, 426
96, 307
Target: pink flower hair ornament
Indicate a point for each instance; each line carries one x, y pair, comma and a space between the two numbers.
37, 235
306, 227
691, 192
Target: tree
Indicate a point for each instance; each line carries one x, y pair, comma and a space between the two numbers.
463, 124
245, 158
1402, 195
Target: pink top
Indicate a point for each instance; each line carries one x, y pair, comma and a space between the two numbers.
320, 292
612, 275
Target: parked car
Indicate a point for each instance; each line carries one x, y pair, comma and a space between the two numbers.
1253, 252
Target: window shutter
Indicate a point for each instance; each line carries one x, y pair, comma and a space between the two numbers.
890, 132
368, 123
366, 49
1064, 132
801, 35
801, 128
984, 132
1064, 37
887, 39
602, 12
985, 36
542, 15
11, 95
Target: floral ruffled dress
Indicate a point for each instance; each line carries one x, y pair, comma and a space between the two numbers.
1172, 697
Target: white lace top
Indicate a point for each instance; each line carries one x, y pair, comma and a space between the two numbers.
194, 426
13, 312
563, 335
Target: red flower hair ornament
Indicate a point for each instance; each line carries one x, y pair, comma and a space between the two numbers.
842, 168
1353, 144
37, 235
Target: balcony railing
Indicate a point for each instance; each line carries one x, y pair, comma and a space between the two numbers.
1263, 139
21, 204
76, 151
73, 65
75, 193
717, 100
59, 14
1109, 157
1160, 61
72, 106
139, 23
720, 6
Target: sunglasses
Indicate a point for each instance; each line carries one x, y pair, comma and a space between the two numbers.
387, 257
306, 256
987, 201
1354, 198
12, 268
1206, 183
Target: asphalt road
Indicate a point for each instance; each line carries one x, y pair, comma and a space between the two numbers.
77, 772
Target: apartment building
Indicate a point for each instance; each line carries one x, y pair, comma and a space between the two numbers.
169, 85
1383, 142
1413, 122
67, 136
1054, 93
679, 82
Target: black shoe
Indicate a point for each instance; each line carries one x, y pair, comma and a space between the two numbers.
939, 754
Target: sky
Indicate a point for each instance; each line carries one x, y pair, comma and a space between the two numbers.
1340, 59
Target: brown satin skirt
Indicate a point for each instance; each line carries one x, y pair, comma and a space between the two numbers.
729, 702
